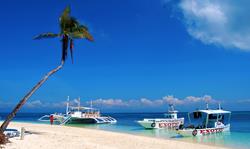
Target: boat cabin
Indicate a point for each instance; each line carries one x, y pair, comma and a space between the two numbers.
172, 114
201, 119
83, 112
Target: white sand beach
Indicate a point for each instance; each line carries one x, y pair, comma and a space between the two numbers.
64, 137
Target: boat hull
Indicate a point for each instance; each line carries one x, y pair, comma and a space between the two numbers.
161, 123
91, 120
201, 132
63, 119
81, 121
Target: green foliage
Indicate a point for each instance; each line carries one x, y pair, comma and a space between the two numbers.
46, 35
82, 32
70, 29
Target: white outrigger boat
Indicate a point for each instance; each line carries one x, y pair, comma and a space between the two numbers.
207, 122
171, 121
79, 115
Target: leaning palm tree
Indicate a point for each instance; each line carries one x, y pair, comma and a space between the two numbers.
70, 29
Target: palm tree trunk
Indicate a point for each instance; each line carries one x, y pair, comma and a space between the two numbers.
27, 96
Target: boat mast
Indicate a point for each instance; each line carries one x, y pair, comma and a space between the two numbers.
91, 105
171, 108
79, 103
207, 115
67, 106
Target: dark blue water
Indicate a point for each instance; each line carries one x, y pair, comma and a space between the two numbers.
238, 137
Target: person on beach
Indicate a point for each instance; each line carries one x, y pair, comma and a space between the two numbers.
51, 118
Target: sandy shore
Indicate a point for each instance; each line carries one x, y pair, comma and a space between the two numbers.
63, 137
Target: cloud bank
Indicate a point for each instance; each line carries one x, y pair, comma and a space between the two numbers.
40, 104
120, 103
170, 99
131, 105
221, 22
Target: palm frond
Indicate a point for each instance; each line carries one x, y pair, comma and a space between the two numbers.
83, 27
71, 49
81, 35
46, 35
86, 33
88, 36
65, 43
70, 29
64, 19
65, 14
82, 32
74, 23
70, 25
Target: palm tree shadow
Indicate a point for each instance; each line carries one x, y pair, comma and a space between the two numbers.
34, 132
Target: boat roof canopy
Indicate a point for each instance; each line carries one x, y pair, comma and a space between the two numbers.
214, 111
171, 112
82, 108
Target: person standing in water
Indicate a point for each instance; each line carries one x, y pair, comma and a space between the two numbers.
51, 118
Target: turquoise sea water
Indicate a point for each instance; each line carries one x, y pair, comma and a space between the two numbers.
238, 137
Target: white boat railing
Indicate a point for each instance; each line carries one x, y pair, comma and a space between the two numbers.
42, 118
77, 112
56, 117
65, 120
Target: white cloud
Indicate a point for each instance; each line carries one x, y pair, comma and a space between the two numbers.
40, 104
244, 101
193, 99
189, 100
208, 99
120, 103
34, 104
170, 99
146, 101
109, 102
220, 22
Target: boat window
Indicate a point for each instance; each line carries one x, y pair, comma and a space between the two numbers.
212, 116
225, 118
198, 119
171, 116
221, 117
197, 115
211, 120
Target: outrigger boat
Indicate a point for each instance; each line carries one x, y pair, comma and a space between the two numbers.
79, 115
171, 121
207, 122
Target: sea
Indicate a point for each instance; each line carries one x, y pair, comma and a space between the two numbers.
238, 137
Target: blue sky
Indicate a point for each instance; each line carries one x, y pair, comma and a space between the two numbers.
146, 54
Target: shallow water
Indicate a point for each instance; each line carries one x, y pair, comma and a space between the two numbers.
239, 137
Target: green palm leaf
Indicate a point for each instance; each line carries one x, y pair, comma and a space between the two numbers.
46, 35
82, 32
70, 29
81, 35
71, 50
65, 20
65, 44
